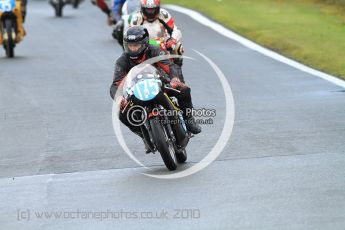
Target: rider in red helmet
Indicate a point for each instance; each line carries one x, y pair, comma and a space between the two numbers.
160, 24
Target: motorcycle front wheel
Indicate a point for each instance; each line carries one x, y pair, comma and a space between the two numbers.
9, 44
76, 4
58, 8
163, 143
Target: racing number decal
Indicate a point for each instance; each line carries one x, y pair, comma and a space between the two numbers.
146, 90
6, 5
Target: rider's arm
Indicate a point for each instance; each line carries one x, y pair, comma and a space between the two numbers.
103, 6
121, 70
168, 22
167, 65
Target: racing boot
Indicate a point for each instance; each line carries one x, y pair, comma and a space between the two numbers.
147, 147
191, 125
186, 105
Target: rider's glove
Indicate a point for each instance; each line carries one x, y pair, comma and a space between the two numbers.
171, 43
175, 82
109, 20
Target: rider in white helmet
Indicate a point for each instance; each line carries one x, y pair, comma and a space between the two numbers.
160, 24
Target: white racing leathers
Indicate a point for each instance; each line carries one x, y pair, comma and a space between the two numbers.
163, 27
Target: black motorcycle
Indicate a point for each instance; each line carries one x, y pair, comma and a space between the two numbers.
158, 115
59, 4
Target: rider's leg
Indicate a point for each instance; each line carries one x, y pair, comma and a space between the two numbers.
185, 102
135, 129
23, 8
179, 61
178, 66
0, 32
19, 21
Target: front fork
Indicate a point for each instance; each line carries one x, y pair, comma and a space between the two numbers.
5, 34
146, 129
12, 16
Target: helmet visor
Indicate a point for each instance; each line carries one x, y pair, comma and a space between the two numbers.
151, 13
133, 47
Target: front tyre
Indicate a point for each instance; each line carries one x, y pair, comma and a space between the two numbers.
9, 43
163, 144
58, 8
76, 4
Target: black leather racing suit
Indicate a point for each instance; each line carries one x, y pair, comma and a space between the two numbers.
124, 64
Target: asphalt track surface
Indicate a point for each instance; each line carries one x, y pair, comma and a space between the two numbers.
282, 169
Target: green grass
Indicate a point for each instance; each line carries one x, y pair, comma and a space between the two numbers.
311, 32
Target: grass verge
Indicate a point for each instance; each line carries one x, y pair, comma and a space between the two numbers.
309, 31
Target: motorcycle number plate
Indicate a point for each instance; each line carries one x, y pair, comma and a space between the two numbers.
146, 90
